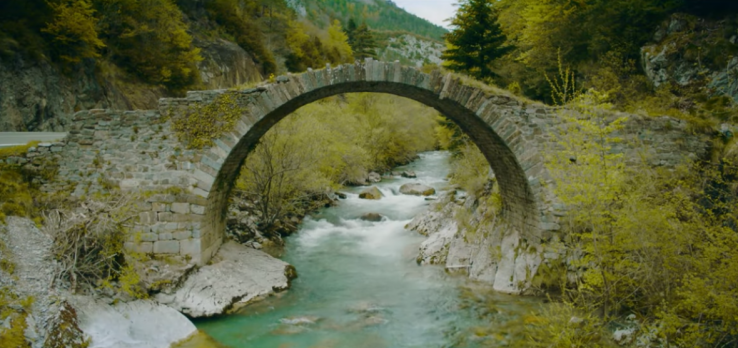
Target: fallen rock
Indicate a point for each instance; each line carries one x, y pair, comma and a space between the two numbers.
374, 217
417, 190
371, 193
139, 324
237, 275
409, 174
374, 177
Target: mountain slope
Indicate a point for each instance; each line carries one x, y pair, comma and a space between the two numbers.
382, 15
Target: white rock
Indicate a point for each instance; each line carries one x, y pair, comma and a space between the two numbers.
139, 324
238, 274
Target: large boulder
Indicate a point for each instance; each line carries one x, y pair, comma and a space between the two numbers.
417, 190
237, 275
371, 193
138, 324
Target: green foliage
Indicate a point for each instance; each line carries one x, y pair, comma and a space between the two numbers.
150, 40
657, 244
73, 31
312, 48
203, 123
476, 40
363, 42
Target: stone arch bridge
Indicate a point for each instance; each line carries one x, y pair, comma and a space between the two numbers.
139, 150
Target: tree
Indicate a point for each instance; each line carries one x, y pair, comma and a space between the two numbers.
351, 31
364, 43
73, 32
476, 40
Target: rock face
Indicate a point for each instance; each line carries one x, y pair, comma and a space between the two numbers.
494, 254
225, 64
236, 276
139, 324
29, 250
371, 193
669, 58
417, 190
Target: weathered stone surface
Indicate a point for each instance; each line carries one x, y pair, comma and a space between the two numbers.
237, 274
417, 190
166, 247
371, 193
139, 324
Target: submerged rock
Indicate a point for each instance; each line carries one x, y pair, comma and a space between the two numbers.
371, 193
236, 276
374, 217
417, 190
303, 320
139, 324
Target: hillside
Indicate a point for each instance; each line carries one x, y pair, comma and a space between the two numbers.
382, 15
59, 57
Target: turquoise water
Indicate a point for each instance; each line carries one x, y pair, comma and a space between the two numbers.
359, 284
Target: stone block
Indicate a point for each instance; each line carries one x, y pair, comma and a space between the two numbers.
160, 207
144, 247
165, 236
197, 209
166, 247
190, 247
149, 237
146, 218
182, 235
181, 208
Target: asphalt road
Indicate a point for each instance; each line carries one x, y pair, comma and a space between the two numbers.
21, 138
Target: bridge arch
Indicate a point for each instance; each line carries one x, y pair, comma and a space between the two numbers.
494, 122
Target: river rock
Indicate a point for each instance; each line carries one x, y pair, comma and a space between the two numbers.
417, 190
139, 324
409, 174
371, 193
236, 276
374, 177
341, 195
374, 217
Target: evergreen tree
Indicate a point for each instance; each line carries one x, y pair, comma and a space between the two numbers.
476, 39
351, 31
364, 43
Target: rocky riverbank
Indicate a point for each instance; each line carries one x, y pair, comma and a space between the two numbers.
44, 313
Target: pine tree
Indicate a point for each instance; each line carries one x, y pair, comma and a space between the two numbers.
476, 40
351, 31
364, 43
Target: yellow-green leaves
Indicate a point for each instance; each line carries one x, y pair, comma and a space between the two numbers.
74, 31
202, 124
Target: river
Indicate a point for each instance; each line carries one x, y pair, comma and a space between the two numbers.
360, 286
